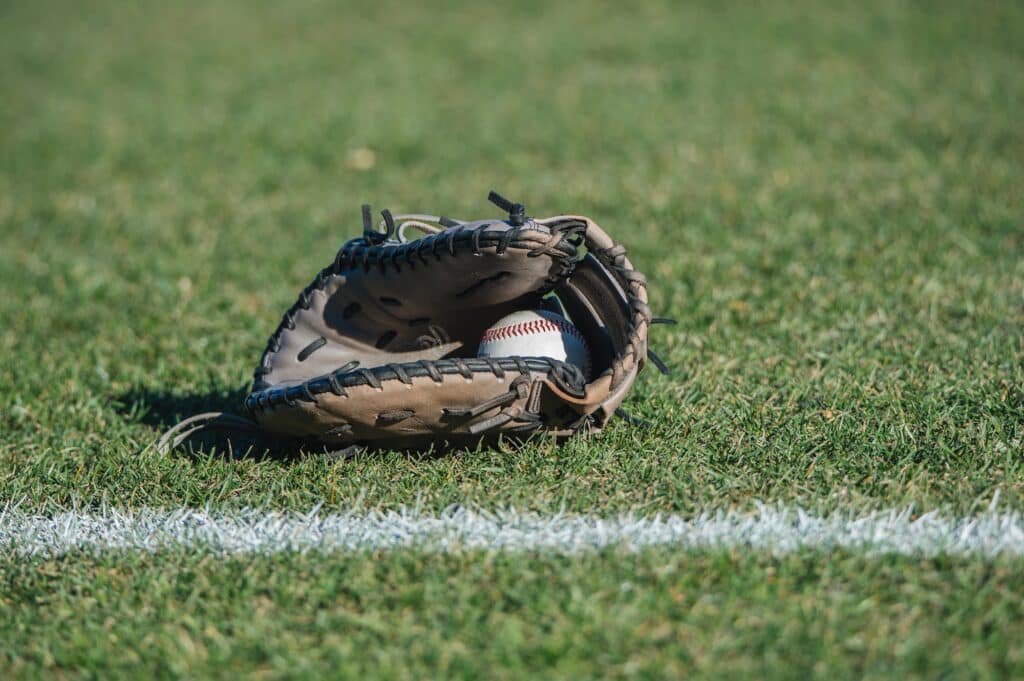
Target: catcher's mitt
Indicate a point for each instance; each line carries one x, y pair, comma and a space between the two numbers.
380, 349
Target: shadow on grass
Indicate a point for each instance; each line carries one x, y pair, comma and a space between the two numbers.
163, 410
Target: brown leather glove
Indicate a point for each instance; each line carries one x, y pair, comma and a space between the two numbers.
380, 349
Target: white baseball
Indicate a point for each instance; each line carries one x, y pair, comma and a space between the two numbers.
536, 333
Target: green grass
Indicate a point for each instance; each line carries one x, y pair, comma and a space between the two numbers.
498, 616
827, 197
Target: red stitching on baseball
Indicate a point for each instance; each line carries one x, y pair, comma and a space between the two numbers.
531, 327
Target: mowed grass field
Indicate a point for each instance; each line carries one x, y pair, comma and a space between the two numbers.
827, 196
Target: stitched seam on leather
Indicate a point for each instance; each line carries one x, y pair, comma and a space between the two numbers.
633, 283
555, 369
349, 256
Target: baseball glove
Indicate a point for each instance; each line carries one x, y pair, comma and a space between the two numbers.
380, 348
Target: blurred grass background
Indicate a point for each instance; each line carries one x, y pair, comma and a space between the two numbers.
826, 195
827, 198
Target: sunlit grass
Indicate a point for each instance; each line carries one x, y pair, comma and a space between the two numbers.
827, 198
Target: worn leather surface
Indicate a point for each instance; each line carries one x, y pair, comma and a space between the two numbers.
340, 369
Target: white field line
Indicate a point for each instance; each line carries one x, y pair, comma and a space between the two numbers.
773, 529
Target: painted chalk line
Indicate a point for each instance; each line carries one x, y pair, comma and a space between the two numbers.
775, 529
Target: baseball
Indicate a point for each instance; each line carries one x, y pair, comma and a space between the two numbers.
536, 333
